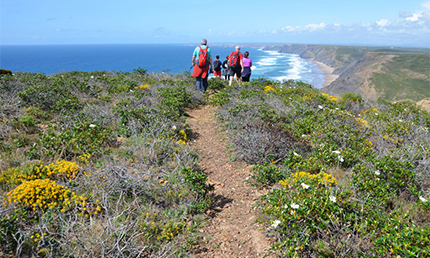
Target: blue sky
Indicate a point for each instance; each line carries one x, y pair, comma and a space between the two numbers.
335, 22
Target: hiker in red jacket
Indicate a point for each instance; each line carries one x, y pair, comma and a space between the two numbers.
202, 61
235, 61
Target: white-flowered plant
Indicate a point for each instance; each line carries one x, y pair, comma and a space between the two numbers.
305, 186
276, 223
423, 199
295, 206
332, 198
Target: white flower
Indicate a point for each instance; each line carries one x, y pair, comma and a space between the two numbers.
340, 158
337, 108
294, 206
295, 154
92, 125
377, 172
332, 198
320, 107
400, 120
276, 223
376, 114
423, 199
305, 186
336, 151
92, 77
173, 127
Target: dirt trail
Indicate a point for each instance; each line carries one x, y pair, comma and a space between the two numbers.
232, 230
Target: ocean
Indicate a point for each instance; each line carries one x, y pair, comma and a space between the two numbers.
155, 58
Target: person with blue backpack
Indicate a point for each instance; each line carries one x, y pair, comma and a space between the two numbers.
202, 62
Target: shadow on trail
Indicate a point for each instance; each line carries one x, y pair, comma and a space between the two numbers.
219, 202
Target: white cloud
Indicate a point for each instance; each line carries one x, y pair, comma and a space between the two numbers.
383, 22
409, 27
313, 27
414, 17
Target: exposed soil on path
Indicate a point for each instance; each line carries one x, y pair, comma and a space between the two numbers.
232, 229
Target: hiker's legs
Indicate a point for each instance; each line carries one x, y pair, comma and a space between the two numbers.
232, 72
205, 83
230, 82
199, 84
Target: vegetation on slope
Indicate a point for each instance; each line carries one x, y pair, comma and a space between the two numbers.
347, 177
97, 164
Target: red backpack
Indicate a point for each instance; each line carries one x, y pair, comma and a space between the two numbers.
203, 55
233, 58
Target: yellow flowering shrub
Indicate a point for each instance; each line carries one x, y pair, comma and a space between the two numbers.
184, 137
371, 110
40, 193
46, 194
60, 169
269, 88
16, 176
142, 87
63, 168
362, 122
330, 97
322, 178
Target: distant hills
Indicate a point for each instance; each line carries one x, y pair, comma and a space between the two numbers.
393, 74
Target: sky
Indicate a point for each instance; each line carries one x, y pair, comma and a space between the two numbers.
404, 23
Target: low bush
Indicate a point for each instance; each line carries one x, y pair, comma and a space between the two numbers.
378, 149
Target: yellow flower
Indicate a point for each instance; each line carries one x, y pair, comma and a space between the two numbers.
269, 88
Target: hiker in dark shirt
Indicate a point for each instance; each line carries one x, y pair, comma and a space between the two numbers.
225, 69
217, 67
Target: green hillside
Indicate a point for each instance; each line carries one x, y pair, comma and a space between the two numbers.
406, 76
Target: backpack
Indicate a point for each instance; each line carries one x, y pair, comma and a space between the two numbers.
217, 65
233, 59
203, 55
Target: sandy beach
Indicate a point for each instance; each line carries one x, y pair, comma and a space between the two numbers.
329, 77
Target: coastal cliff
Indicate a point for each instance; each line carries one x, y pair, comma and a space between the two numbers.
391, 73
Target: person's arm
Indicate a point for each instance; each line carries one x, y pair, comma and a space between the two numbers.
241, 62
194, 58
211, 64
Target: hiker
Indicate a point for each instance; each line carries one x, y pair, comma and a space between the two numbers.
247, 64
217, 67
225, 70
202, 61
235, 61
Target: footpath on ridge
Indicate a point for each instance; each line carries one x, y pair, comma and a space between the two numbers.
232, 229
